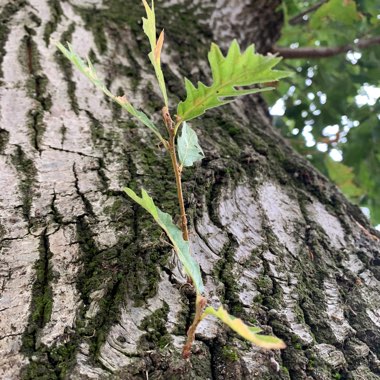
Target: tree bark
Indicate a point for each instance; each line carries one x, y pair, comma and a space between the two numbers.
89, 289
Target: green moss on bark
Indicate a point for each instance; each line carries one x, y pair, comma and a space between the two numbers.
41, 307
55, 17
157, 335
27, 173
6, 14
67, 68
230, 353
4, 139
36, 86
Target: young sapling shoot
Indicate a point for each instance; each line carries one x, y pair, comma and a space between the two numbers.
231, 75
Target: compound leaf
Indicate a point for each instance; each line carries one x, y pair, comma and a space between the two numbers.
234, 70
149, 27
89, 71
189, 150
181, 246
247, 332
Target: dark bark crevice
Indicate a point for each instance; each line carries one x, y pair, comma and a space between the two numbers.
6, 16
27, 178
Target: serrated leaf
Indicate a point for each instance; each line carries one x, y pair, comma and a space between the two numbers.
235, 70
181, 246
149, 27
189, 150
89, 71
247, 332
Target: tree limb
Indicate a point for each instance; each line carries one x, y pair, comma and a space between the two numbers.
299, 18
323, 52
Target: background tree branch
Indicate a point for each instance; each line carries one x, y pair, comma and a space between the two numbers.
323, 52
299, 18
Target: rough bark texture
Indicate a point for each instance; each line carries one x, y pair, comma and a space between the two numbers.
88, 289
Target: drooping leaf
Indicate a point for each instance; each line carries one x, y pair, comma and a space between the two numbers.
247, 332
235, 70
181, 246
189, 150
149, 27
89, 71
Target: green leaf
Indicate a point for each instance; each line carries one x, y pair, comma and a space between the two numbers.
181, 246
189, 150
247, 332
343, 176
149, 27
236, 69
342, 11
89, 71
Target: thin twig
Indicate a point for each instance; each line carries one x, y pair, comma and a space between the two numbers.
200, 300
299, 18
177, 170
199, 308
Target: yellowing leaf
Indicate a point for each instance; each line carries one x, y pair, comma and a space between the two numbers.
181, 246
149, 27
89, 71
235, 70
149, 24
255, 330
157, 50
247, 332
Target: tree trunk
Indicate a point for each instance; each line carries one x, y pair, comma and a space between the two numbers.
88, 287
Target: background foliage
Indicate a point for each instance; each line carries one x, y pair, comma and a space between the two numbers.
329, 109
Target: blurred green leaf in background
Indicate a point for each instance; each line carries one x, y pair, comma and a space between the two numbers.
330, 110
